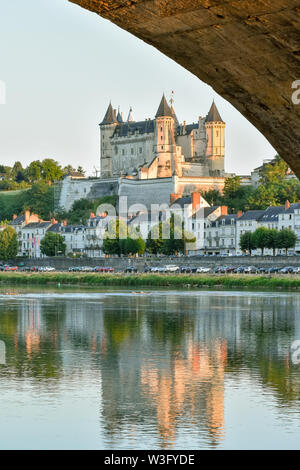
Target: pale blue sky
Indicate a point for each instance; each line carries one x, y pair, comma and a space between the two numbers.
62, 64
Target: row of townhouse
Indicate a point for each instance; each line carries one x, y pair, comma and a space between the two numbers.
215, 231
81, 239
223, 235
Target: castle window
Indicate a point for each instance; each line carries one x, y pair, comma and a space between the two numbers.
162, 147
140, 150
132, 150
123, 152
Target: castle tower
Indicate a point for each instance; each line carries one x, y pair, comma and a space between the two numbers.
215, 150
107, 128
165, 145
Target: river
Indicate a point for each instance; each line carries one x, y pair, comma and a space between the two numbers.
162, 369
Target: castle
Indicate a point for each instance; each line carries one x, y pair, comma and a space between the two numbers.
161, 147
155, 160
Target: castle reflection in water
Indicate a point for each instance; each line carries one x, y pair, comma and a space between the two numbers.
162, 360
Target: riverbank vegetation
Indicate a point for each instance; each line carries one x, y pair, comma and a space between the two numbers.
152, 280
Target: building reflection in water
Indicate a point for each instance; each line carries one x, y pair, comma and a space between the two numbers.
162, 361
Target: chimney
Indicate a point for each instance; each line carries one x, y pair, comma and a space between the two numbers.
287, 205
15, 216
224, 210
173, 197
196, 199
27, 217
239, 214
92, 216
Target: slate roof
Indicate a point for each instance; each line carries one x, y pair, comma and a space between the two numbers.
164, 109
293, 206
182, 201
127, 128
252, 215
33, 225
18, 221
227, 218
56, 228
213, 114
110, 116
271, 214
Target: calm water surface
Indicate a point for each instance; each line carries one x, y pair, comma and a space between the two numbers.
170, 369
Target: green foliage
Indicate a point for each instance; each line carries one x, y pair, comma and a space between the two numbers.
246, 242
169, 237
82, 209
119, 240
213, 197
268, 238
53, 244
8, 243
260, 238
286, 239
273, 190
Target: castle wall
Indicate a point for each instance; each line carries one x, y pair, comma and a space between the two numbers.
147, 192
188, 184
72, 190
128, 153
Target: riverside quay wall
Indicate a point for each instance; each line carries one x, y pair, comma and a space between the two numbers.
119, 264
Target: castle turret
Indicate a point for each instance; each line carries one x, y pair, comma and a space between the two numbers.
165, 145
215, 150
107, 127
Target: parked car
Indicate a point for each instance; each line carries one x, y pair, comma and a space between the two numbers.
286, 270
11, 268
202, 269
46, 269
296, 270
250, 270
171, 268
130, 270
185, 269
273, 270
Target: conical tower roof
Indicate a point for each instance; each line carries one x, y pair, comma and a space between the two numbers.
109, 117
213, 115
119, 116
164, 108
130, 116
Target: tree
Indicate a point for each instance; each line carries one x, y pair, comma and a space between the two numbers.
274, 173
53, 244
260, 238
213, 197
231, 186
81, 170
272, 239
286, 239
132, 246
246, 242
17, 172
8, 243
154, 240
51, 170
115, 236
263, 197
33, 171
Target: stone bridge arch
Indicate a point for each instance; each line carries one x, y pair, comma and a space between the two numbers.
247, 50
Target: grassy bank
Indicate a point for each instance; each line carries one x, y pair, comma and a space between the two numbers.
152, 280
